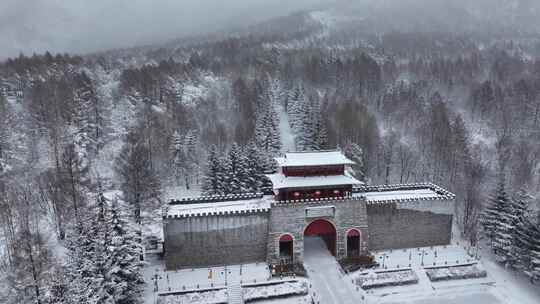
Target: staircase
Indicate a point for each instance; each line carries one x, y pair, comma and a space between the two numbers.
234, 292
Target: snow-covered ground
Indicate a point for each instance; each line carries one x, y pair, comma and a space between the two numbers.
208, 285
199, 278
501, 286
285, 132
331, 286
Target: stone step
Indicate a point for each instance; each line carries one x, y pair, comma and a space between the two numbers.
235, 295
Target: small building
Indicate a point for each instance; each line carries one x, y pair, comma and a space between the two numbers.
312, 175
313, 196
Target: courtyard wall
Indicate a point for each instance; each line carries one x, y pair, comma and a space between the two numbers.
391, 227
201, 241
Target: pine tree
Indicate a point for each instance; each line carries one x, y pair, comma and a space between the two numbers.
236, 171
498, 220
123, 264
178, 158
88, 256
533, 235
355, 153
213, 179
267, 124
520, 243
295, 107
256, 165
58, 289
5, 145
192, 159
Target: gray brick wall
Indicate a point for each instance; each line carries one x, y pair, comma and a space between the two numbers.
215, 240
392, 228
244, 238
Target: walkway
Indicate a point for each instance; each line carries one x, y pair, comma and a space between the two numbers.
330, 284
234, 287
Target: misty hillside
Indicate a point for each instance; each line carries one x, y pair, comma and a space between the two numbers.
413, 91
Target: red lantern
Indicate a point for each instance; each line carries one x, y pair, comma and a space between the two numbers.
296, 194
336, 191
317, 193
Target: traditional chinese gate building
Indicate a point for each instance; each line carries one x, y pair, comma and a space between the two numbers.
313, 196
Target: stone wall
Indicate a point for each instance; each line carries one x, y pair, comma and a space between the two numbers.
292, 218
215, 240
392, 228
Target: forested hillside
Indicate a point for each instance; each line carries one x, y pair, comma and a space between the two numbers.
92, 146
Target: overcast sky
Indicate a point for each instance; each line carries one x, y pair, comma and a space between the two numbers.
84, 26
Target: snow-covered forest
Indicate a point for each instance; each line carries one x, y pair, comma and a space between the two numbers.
92, 146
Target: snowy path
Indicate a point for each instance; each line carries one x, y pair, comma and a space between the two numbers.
331, 286
285, 132
234, 288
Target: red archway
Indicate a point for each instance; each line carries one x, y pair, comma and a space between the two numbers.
325, 230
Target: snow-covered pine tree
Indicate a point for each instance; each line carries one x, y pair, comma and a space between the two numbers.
315, 128
192, 159
213, 178
295, 104
256, 165
125, 282
521, 245
321, 139
5, 149
267, 122
533, 235
236, 171
89, 120
58, 287
178, 159
88, 256
306, 132
355, 153
497, 220
224, 174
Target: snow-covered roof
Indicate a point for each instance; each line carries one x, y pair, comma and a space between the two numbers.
280, 181
322, 158
399, 194
219, 208
402, 192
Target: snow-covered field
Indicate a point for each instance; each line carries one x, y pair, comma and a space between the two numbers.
500, 286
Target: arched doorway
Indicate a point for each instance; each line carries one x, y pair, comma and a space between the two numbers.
325, 230
354, 237
286, 251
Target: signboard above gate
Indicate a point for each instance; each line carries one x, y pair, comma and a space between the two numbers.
322, 211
